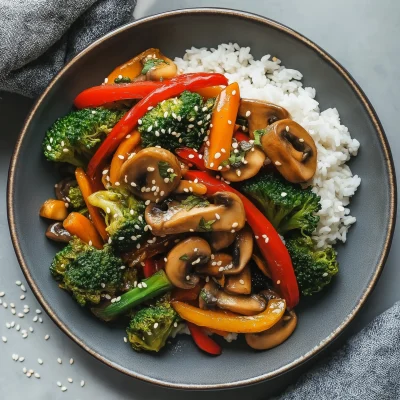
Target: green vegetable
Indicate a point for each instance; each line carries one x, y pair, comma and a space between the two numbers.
194, 201
165, 170
237, 155
287, 206
150, 327
74, 138
314, 269
154, 286
205, 225
88, 273
258, 134
151, 63
184, 257
178, 122
123, 79
76, 198
124, 217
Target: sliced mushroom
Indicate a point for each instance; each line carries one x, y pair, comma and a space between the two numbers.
253, 161
221, 240
259, 113
216, 266
242, 251
261, 264
274, 336
191, 187
240, 283
269, 294
186, 255
291, 149
57, 233
163, 70
211, 296
226, 213
151, 174
62, 188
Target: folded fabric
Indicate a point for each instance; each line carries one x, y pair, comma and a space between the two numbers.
37, 37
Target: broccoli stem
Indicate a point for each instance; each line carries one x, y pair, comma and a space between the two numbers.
155, 285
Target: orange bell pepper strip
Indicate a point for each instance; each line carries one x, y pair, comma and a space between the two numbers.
80, 226
122, 153
232, 323
209, 92
86, 189
222, 125
218, 332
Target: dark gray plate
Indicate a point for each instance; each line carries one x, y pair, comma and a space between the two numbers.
322, 318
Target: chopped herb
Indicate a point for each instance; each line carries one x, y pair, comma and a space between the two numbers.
151, 63
235, 158
184, 257
258, 134
163, 169
123, 79
194, 201
206, 225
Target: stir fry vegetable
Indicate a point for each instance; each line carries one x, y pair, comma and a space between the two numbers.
156, 234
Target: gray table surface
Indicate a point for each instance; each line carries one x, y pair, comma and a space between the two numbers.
360, 34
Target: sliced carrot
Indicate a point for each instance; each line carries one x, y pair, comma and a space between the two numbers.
86, 189
80, 226
53, 209
122, 153
209, 92
223, 126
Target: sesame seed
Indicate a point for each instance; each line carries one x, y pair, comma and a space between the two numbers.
150, 169
287, 128
82, 383
191, 156
70, 380
18, 283
40, 320
5, 305
119, 76
28, 374
40, 361
30, 329
188, 277
63, 389
4, 339
2, 294
48, 147
17, 327
229, 122
121, 157
232, 231
23, 288
116, 183
191, 230
238, 172
233, 92
156, 325
20, 315
21, 359
37, 376
59, 384
8, 326
217, 155
301, 140
59, 360
211, 164
38, 311
13, 312
278, 163
24, 370
278, 282
248, 113
65, 150
283, 194
140, 121
325, 274
147, 202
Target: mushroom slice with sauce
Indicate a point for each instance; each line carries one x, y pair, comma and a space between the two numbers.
291, 149
253, 161
274, 336
151, 174
191, 187
225, 213
216, 266
259, 113
221, 240
185, 256
211, 296
242, 251
240, 283
58, 233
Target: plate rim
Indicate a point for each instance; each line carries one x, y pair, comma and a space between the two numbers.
367, 106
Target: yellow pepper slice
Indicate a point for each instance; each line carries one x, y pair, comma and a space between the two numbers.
231, 322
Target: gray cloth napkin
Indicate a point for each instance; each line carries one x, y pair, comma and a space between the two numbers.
37, 37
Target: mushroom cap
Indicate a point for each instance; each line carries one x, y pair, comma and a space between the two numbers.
178, 219
165, 70
183, 258
262, 113
58, 233
240, 283
254, 161
221, 239
216, 266
274, 336
147, 166
291, 148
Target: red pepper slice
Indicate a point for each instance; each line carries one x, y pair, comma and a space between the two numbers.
172, 88
267, 238
99, 95
190, 156
203, 341
152, 265
241, 137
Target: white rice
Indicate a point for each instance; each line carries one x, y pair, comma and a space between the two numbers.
266, 79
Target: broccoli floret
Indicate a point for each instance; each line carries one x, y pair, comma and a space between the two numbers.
65, 256
74, 138
88, 273
314, 269
124, 217
76, 198
178, 122
150, 327
287, 206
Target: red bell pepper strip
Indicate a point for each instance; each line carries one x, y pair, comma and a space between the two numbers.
190, 156
152, 265
171, 88
99, 95
203, 341
241, 137
267, 238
